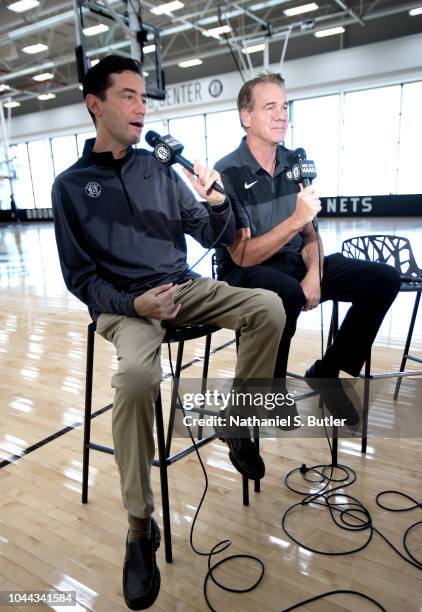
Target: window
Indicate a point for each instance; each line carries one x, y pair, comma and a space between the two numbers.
371, 133
190, 131
315, 127
224, 134
409, 180
42, 171
5, 171
80, 140
22, 185
65, 152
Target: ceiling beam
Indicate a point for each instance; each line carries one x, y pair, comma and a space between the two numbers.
350, 11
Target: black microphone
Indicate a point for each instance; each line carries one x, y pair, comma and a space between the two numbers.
167, 150
304, 172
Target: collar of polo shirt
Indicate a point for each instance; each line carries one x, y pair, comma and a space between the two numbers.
246, 156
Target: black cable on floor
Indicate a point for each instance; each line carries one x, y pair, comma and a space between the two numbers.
416, 562
223, 544
349, 514
336, 592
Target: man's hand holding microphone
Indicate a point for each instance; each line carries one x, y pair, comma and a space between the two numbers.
308, 205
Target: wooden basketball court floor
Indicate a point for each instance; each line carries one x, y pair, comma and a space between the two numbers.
49, 540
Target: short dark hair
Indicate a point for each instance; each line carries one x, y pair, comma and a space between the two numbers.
245, 96
98, 78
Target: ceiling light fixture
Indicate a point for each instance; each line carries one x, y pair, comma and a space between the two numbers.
329, 32
4, 88
189, 63
12, 104
415, 11
298, 10
254, 48
167, 8
149, 49
31, 49
23, 5
46, 96
45, 76
97, 29
215, 32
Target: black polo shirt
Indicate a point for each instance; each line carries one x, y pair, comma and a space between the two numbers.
260, 201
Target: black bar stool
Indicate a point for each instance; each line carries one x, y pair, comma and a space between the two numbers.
165, 458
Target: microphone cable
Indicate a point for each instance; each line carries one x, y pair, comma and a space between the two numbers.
223, 544
320, 266
183, 274
209, 249
348, 514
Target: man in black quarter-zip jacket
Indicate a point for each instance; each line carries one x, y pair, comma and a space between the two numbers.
277, 247
120, 219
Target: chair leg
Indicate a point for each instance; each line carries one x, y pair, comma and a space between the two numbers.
88, 406
205, 374
334, 454
245, 489
163, 478
237, 340
245, 481
257, 485
174, 397
366, 384
333, 324
407, 345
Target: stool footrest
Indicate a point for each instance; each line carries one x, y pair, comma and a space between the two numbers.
185, 451
101, 448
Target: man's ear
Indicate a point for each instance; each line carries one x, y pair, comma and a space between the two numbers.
245, 117
94, 105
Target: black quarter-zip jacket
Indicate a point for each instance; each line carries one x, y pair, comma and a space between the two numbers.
120, 227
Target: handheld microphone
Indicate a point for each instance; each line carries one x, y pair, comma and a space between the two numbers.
304, 172
167, 150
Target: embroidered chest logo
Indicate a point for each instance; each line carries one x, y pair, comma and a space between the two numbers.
249, 185
93, 189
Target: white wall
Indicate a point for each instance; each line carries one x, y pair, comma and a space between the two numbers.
394, 61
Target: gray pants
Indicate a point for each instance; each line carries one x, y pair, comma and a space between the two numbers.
257, 313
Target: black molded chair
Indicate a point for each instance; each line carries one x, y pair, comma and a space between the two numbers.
179, 335
397, 252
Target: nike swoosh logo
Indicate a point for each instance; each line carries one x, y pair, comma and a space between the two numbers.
249, 185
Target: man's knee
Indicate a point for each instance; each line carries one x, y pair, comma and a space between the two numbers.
386, 281
137, 380
273, 309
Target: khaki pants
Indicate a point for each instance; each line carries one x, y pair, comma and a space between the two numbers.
257, 313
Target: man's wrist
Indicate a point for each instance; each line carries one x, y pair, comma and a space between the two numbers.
295, 223
219, 209
313, 272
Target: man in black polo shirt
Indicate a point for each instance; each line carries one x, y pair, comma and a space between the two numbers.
276, 246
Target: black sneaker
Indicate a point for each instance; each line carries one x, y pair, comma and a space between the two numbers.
333, 394
141, 576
